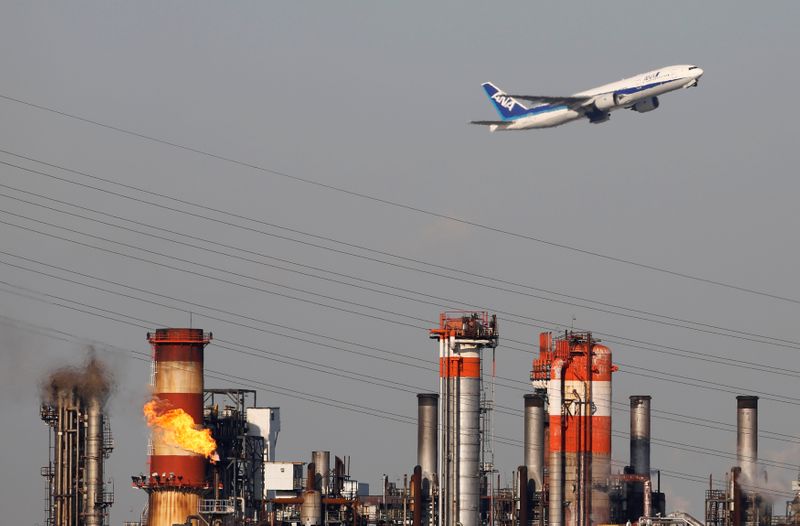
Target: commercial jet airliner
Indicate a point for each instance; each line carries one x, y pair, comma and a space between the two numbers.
639, 93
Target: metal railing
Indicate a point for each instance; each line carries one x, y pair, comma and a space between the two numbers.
217, 507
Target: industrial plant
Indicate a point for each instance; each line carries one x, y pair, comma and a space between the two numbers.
213, 457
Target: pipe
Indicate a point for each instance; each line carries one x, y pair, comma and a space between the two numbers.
647, 504
640, 434
416, 496
534, 441
524, 497
556, 462
747, 438
453, 434
736, 495
444, 461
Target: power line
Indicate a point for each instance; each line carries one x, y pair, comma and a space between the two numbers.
670, 319
679, 380
681, 352
411, 208
701, 386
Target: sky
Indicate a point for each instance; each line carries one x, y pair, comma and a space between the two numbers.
374, 98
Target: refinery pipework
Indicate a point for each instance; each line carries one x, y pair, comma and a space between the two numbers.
73, 407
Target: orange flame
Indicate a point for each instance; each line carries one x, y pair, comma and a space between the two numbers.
177, 428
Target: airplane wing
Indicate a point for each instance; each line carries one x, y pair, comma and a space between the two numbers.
489, 123
544, 99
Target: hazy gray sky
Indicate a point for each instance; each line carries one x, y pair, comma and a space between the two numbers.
374, 97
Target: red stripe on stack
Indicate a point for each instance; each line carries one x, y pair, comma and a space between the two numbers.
178, 356
460, 367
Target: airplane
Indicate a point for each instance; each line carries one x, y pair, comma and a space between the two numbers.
639, 93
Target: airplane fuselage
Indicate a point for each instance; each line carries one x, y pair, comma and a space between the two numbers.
639, 93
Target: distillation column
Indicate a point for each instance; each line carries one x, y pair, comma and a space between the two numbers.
579, 406
461, 340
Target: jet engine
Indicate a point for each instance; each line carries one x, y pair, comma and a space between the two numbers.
606, 101
643, 106
597, 116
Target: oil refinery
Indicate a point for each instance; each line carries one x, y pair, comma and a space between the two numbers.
213, 457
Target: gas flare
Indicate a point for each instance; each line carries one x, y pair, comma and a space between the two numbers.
179, 429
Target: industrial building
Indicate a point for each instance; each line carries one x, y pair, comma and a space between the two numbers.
213, 452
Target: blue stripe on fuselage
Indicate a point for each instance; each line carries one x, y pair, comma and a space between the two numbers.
545, 108
635, 89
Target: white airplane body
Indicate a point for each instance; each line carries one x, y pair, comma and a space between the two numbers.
639, 93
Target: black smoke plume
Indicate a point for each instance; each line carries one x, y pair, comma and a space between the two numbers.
93, 379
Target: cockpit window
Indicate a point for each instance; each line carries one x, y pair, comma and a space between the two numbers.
693, 67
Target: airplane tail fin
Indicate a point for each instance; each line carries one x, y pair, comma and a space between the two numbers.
508, 107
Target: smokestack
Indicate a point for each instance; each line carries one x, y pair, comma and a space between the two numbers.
747, 437
177, 476
427, 439
640, 434
322, 471
94, 463
534, 441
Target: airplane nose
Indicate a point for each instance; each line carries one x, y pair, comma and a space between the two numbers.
698, 73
